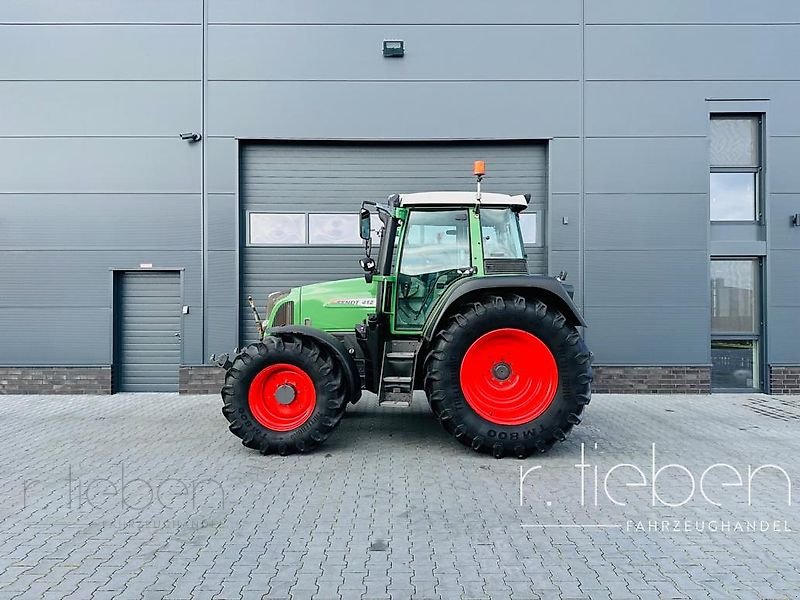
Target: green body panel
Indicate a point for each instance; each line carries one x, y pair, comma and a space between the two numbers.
331, 305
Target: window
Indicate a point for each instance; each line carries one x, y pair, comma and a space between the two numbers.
501, 234
435, 249
333, 229
735, 167
735, 323
530, 225
315, 229
276, 229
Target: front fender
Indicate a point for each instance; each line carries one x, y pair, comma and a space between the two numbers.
549, 289
351, 376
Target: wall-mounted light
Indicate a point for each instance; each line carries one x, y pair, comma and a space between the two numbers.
191, 137
393, 48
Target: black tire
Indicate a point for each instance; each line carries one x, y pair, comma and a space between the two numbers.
325, 373
443, 385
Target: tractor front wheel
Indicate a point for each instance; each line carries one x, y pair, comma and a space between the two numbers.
508, 376
284, 395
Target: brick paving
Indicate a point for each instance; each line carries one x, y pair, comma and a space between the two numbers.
149, 496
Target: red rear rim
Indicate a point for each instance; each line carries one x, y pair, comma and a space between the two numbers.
509, 376
282, 397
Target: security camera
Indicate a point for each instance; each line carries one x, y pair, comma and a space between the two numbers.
191, 137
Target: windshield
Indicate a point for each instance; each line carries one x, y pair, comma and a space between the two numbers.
501, 235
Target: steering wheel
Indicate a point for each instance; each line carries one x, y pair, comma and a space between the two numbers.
409, 287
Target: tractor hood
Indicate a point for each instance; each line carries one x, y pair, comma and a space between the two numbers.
337, 305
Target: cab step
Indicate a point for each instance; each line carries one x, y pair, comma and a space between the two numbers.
397, 373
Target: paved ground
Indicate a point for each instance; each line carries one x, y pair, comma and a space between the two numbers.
149, 496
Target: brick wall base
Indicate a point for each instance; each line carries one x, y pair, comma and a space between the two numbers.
784, 379
55, 380
208, 379
201, 379
652, 380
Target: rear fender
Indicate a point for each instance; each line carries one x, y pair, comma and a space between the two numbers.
548, 289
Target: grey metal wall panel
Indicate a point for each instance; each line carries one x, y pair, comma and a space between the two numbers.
565, 165
646, 222
114, 52
221, 160
429, 52
651, 165
410, 11
147, 344
222, 330
55, 334
386, 109
192, 336
100, 221
337, 177
691, 52
782, 153
645, 108
784, 331
679, 108
784, 271
564, 236
221, 217
83, 108
637, 12
631, 335
101, 11
647, 279
221, 284
53, 278
99, 165
782, 236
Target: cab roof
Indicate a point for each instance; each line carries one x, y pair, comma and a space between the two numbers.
518, 202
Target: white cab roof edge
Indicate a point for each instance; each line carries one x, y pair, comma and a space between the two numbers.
461, 198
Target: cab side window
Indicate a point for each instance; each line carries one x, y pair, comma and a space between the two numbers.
435, 248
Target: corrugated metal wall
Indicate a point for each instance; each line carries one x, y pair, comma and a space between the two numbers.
147, 341
94, 175
335, 178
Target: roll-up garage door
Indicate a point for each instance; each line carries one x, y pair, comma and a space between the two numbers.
298, 202
147, 331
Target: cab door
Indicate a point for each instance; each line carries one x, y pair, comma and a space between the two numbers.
435, 251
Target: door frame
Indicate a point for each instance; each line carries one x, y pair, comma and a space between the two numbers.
115, 273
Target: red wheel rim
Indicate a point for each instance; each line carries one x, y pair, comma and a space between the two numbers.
282, 397
509, 376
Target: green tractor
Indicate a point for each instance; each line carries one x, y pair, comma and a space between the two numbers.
446, 307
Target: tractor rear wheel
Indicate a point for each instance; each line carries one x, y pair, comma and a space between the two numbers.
508, 376
284, 395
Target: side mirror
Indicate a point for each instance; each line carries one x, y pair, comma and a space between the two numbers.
365, 224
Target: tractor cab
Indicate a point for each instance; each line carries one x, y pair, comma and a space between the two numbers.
431, 240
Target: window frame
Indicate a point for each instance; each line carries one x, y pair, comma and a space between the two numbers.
757, 337
248, 229
539, 214
407, 226
758, 169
